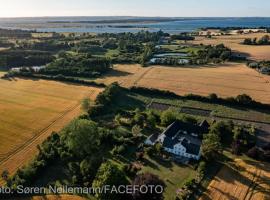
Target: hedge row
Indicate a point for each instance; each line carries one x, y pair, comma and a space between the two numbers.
57, 78
241, 100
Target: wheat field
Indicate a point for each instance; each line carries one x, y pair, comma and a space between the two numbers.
242, 181
226, 80
254, 52
30, 110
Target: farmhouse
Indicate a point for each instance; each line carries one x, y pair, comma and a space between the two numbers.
34, 68
212, 32
181, 139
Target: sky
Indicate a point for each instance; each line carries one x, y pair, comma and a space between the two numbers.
164, 8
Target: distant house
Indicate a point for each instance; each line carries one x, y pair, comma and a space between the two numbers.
181, 139
211, 32
34, 68
164, 40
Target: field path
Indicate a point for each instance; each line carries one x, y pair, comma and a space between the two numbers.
24, 153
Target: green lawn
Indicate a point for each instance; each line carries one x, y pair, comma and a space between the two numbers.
112, 53
174, 175
181, 48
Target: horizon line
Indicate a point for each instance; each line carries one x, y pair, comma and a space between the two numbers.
61, 16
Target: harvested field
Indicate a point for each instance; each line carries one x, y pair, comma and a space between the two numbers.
226, 80
30, 110
240, 180
234, 42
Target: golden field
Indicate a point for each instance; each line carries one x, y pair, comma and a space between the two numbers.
240, 180
234, 42
226, 80
30, 110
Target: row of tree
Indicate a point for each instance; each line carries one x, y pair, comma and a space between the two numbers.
20, 58
265, 40
83, 65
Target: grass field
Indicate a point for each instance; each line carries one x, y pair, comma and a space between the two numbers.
241, 180
234, 42
174, 175
226, 80
30, 110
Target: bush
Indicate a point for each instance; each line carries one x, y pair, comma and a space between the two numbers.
168, 117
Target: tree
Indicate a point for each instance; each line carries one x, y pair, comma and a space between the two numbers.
168, 117
81, 136
201, 169
147, 54
88, 168
138, 118
5, 175
148, 179
158, 148
264, 40
213, 96
136, 130
109, 174
244, 99
188, 119
247, 41
211, 146
85, 104
224, 130
151, 119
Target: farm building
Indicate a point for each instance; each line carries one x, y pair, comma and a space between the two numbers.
34, 68
181, 139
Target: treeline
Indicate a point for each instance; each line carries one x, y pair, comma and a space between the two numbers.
142, 36
265, 40
210, 53
262, 66
182, 37
15, 33
19, 58
83, 65
105, 99
259, 65
45, 45
241, 100
30, 74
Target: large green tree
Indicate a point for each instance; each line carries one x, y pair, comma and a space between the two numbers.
109, 175
211, 146
81, 137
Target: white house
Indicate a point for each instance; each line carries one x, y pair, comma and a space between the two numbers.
181, 139
34, 68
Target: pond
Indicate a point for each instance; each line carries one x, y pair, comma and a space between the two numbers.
162, 60
170, 55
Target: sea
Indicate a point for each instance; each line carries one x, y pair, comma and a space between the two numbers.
116, 24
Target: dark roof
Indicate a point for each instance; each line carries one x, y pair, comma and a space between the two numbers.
153, 137
191, 148
204, 124
170, 142
188, 127
191, 143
